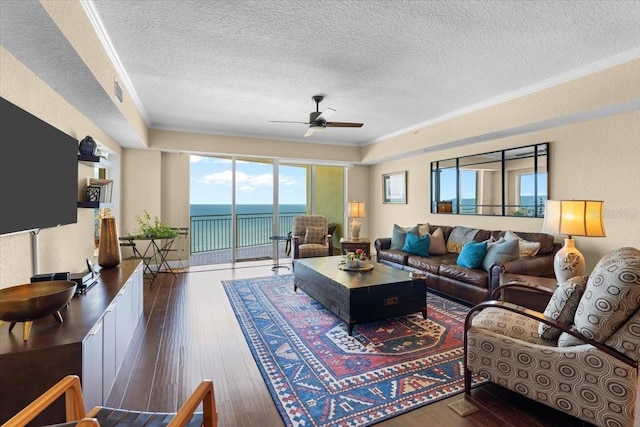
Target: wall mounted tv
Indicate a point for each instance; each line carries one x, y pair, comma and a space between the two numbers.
38, 172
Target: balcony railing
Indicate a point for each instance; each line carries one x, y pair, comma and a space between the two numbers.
213, 232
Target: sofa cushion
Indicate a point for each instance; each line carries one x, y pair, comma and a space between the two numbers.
416, 245
449, 268
315, 235
472, 254
611, 297
527, 248
430, 264
562, 305
507, 323
437, 245
459, 237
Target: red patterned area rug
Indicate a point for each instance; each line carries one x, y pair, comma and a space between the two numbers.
318, 375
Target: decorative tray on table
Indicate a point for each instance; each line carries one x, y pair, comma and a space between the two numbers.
364, 266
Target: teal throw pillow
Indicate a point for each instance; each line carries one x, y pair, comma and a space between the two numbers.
501, 251
472, 254
416, 245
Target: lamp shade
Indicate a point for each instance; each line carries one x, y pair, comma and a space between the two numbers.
356, 209
574, 218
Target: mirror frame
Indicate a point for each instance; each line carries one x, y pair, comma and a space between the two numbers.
447, 175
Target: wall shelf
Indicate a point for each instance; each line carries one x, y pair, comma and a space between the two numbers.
90, 205
94, 161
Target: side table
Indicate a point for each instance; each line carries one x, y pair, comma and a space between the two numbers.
276, 243
352, 245
534, 300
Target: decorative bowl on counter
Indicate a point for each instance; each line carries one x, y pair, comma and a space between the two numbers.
26, 303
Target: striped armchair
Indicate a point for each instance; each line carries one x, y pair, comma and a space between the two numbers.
310, 237
580, 356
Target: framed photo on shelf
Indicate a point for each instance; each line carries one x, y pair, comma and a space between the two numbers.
394, 187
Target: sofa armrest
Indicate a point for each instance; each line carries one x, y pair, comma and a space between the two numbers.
540, 265
382, 243
497, 293
563, 327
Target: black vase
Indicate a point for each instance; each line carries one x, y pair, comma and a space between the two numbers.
87, 146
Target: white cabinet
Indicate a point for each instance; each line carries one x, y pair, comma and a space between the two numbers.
109, 368
124, 322
92, 367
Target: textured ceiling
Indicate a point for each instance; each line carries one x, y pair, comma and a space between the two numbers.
229, 67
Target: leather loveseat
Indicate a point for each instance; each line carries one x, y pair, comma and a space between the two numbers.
471, 285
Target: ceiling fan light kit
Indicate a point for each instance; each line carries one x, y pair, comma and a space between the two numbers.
318, 120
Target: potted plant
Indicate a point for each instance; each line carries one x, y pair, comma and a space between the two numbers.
154, 228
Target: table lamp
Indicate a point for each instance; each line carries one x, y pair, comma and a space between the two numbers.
356, 210
573, 218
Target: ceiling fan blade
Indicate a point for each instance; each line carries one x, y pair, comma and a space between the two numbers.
326, 114
343, 125
309, 132
287, 121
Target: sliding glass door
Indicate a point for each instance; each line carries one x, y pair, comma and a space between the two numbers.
239, 204
253, 209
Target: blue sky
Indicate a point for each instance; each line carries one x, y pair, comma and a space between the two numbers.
448, 192
211, 182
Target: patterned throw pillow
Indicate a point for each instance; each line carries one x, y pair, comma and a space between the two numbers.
314, 235
527, 248
562, 305
501, 251
437, 245
472, 254
612, 296
627, 339
459, 237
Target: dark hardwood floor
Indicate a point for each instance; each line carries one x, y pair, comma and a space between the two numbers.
189, 332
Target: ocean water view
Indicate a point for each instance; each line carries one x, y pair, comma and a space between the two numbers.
211, 224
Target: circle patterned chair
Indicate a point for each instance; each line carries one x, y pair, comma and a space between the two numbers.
580, 356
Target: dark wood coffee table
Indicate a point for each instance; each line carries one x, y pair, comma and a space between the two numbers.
357, 297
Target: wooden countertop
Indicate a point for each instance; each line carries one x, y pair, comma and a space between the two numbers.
79, 316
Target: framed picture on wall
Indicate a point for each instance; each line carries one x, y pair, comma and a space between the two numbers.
394, 187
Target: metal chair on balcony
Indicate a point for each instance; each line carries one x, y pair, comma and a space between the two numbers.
176, 249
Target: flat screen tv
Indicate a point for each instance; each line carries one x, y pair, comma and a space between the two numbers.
38, 172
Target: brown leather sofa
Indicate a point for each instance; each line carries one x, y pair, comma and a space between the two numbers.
469, 285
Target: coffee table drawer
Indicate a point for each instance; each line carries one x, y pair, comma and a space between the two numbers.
390, 300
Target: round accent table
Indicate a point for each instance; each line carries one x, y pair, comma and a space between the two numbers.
276, 240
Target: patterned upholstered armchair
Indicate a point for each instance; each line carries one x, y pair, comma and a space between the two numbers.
580, 356
310, 237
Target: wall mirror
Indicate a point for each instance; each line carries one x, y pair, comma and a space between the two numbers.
511, 182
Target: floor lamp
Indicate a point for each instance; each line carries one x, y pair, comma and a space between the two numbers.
356, 210
572, 218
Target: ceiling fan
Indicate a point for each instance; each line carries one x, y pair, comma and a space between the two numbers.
318, 120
